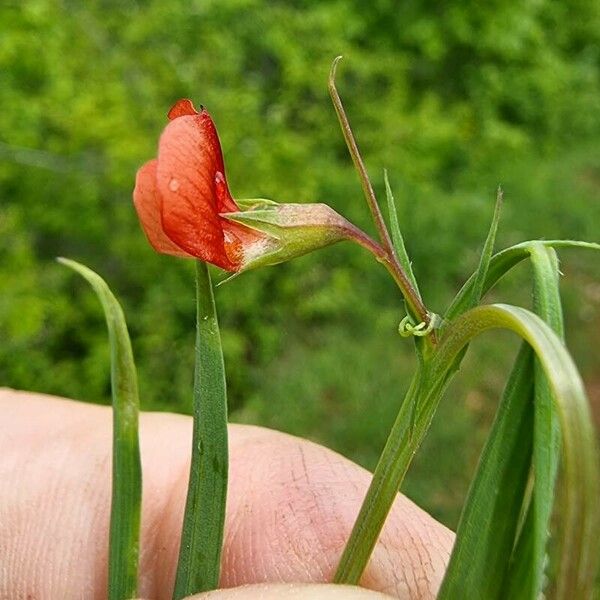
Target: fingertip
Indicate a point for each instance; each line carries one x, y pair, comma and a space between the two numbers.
292, 591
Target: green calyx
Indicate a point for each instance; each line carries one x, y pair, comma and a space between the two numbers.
290, 230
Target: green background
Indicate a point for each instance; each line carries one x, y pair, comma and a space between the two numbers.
453, 99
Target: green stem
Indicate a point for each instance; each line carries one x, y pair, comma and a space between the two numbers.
202, 535
405, 438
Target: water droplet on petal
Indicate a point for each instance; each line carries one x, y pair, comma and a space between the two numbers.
174, 184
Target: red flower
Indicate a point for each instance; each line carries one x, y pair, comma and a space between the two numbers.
181, 195
185, 207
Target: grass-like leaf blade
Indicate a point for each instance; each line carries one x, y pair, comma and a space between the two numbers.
198, 568
521, 581
475, 291
485, 536
500, 264
126, 467
546, 434
486, 254
526, 577
491, 513
397, 238
579, 518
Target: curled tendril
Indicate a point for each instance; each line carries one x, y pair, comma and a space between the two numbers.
408, 327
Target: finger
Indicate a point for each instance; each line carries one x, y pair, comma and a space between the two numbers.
290, 509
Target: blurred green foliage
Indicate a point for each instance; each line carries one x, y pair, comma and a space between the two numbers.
453, 98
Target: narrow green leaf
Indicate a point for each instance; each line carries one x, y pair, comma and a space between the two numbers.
199, 563
500, 264
479, 278
579, 517
546, 433
126, 468
400, 249
486, 254
491, 514
397, 239
521, 581
530, 557
546, 292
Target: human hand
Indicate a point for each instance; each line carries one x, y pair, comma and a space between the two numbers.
291, 506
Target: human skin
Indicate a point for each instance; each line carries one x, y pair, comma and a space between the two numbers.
291, 506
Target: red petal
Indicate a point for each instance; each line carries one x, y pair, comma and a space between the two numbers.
225, 203
185, 107
147, 204
182, 107
237, 238
189, 158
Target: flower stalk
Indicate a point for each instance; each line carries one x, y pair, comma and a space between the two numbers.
389, 259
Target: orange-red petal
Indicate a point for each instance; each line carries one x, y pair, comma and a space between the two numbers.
147, 205
189, 159
180, 195
182, 107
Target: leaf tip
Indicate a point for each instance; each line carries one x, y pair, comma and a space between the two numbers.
67, 262
499, 195
333, 70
